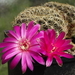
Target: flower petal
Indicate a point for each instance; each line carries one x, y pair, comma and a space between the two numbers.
4, 44
33, 42
8, 39
29, 61
23, 62
58, 60
8, 52
60, 37
33, 31
15, 61
67, 42
52, 35
12, 54
4, 61
42, 45
17, 29
9, 47
41, 42
14, 34
46, 38
49, 61
35, 48
65, 47
66, 55
30, 25
23, 30
59, 44
38, 58
37, 36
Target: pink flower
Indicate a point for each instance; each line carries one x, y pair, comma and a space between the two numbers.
21, 44
54, 47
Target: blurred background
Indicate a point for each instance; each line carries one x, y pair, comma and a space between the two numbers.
9, 9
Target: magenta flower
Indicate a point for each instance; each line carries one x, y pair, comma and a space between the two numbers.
21, 45
54, 47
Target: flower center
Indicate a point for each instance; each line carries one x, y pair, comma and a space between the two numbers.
25, 45
54, 48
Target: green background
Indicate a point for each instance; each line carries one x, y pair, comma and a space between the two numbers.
9, 11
